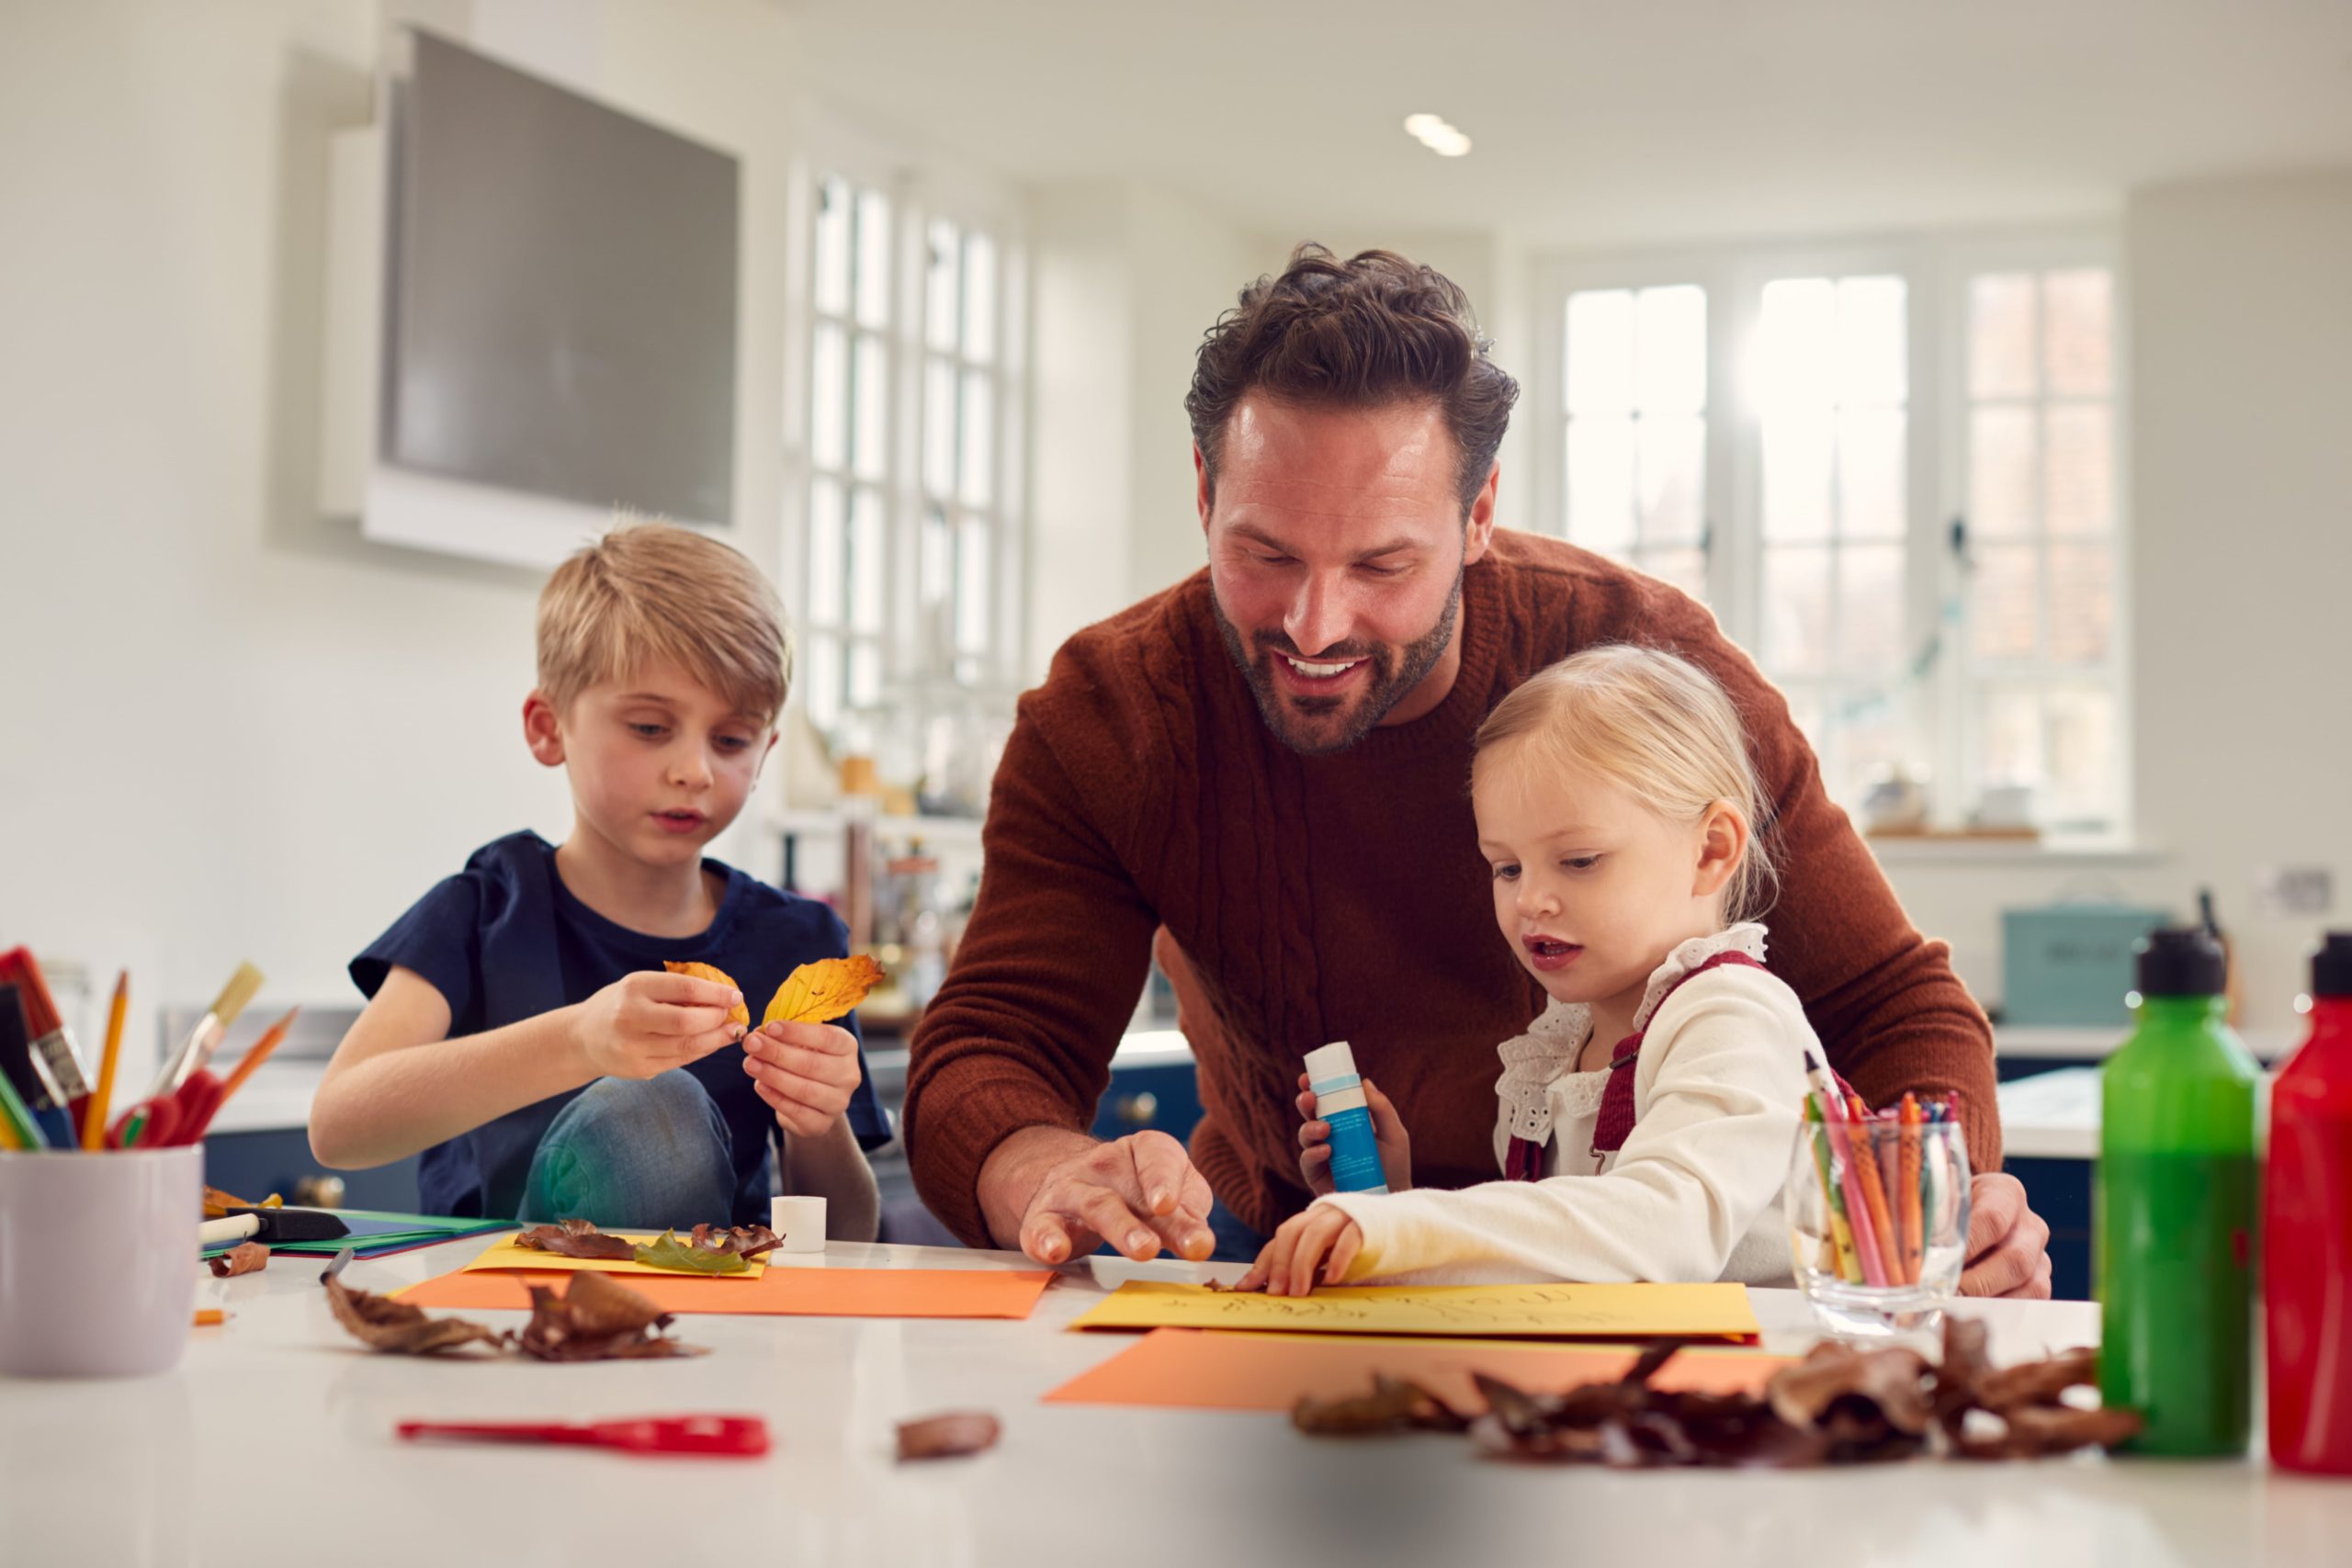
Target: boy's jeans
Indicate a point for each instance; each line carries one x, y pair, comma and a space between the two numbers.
635, 1155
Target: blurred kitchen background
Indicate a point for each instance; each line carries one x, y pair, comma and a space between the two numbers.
1987, 370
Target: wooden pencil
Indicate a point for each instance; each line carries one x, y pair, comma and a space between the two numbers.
1873, 1186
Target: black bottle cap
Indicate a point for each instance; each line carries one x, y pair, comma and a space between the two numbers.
2179, 961
2332, 965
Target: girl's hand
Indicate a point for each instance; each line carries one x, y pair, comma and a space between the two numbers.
1287, 1265
1387, 1133
806, 1072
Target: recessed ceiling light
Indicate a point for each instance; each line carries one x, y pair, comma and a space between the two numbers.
1432, 132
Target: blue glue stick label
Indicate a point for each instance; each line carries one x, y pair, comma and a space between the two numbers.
1355, 1152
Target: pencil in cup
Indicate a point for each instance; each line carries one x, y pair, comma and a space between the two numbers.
1837, 1233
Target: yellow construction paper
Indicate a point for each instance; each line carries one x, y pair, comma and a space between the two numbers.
504, 1254
1546, 1312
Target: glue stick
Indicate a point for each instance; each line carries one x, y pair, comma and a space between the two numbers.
1339, 1099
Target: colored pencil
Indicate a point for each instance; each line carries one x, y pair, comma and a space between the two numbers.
94, 1115
1915, 1238
18, 1116
1873, 1187
1833, 1202
1842, 1143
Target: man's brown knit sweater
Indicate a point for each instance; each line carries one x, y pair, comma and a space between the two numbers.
1343, 897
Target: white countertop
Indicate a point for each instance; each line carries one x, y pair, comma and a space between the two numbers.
272, 1443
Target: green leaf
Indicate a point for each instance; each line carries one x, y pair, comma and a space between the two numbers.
671, 1253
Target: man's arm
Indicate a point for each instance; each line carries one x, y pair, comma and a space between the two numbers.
1019, 1039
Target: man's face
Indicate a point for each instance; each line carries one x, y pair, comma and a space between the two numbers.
1336, 546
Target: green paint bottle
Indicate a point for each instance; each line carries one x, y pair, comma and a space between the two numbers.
2177, 1207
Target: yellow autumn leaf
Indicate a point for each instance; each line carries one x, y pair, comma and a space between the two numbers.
740, 1013
824, 991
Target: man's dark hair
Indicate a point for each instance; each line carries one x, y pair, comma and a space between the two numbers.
1371, 331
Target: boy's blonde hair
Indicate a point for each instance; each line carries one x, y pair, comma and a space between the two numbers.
650, 592
1654, 722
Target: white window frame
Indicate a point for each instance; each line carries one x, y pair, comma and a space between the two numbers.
918, 193
1934, 271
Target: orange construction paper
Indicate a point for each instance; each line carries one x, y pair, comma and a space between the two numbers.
779, 1292
1212, 1369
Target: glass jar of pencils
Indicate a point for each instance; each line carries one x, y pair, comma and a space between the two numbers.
1877, 1205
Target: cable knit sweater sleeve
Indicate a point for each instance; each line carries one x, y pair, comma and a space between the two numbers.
1719, 1091
1023, 1033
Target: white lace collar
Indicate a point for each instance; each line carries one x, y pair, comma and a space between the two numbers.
1532, 1062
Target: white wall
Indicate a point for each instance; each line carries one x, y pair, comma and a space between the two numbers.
1125, 278
238, 732
2241, 385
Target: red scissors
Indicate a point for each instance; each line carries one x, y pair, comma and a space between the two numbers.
175, 1118
746, 1435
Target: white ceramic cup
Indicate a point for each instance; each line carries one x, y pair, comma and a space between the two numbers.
98, 1260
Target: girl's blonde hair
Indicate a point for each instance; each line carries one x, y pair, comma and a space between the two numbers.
653, 591
1656, 724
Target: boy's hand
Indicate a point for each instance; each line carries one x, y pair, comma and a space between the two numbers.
1286, 1268
646, 1023
1387, 1133
806, 1072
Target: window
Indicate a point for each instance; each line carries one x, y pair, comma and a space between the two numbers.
1892, 473
2040, 536
908, 551
1637, 428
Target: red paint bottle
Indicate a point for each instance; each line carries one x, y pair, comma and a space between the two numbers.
2307, 1232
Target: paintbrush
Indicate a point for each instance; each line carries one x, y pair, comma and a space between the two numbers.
205, 1038
52, 1043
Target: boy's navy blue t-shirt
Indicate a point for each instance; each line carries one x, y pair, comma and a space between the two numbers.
505, 940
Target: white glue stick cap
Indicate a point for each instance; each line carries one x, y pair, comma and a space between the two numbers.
1333, 1061
800, 1221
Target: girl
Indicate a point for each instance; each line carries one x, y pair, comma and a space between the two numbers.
1646, 1118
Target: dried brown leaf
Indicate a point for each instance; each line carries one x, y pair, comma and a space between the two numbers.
577, 1238
246, 1258
746, 1242
2037, 1382
1888, 1380
1393, 1404
948, 1435
2033, 1431
596, 1319
383, 1324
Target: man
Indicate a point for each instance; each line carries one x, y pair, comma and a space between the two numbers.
1267, 765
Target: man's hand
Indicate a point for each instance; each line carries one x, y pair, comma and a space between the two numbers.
1287, 1265
646, 1023
1387, 1133
1139, 1193
806, 1072
2008, 1242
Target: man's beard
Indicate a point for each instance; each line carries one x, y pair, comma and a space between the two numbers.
1394, 672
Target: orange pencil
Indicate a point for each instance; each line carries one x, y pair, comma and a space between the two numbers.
94, 1115
1866, 1165
246, 1066
1915, 1236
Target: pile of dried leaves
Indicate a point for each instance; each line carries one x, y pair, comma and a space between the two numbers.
708, 1249
596, 1319
1838, 1405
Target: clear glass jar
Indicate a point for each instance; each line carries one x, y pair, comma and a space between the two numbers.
1878, 1222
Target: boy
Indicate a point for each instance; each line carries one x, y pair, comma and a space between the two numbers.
520, 1030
